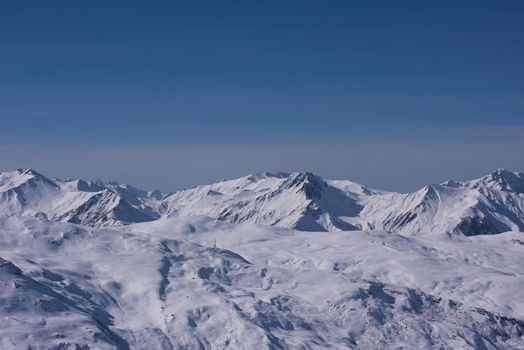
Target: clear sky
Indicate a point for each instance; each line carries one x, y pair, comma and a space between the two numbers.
394, 94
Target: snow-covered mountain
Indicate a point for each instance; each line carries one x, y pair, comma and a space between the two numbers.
25, 192
102, 265
302, 201
483, 206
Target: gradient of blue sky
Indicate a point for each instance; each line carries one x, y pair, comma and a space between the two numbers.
436, 76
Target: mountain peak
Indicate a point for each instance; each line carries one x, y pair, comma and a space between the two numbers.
28, 171
305, 176
451, 183
502, 179
23, 175
267, 174
502, 172
308, 183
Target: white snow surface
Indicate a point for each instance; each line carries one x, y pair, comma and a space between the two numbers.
198, 283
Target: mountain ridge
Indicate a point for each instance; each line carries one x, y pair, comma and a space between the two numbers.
303, 201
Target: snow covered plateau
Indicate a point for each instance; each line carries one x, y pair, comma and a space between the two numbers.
266, 261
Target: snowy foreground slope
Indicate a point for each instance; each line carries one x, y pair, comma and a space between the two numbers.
199, 283
301, 201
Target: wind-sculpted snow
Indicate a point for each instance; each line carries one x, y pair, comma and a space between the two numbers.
199, 283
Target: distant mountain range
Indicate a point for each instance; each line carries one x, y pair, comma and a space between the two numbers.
301, 201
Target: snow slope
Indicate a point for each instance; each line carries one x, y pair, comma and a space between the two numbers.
198, 283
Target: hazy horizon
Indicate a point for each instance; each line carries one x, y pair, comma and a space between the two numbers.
394, 167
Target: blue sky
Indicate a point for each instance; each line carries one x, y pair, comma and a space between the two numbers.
337, 87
